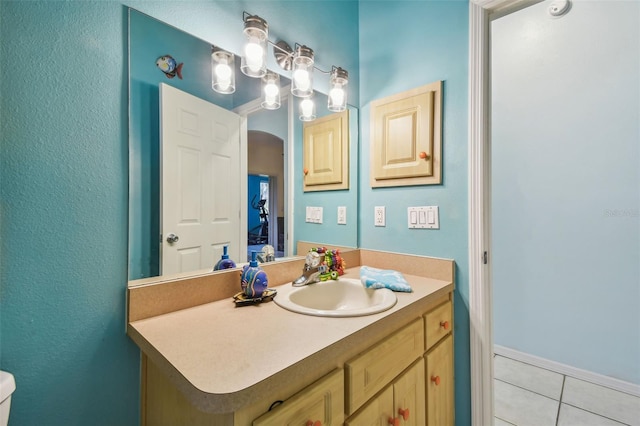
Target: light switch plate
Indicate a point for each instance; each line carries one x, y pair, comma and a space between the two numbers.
425, 217
342, 215
313, 214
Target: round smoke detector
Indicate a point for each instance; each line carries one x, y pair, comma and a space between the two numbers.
558, 8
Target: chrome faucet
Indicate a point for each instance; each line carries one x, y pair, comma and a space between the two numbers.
311, 271
309, 275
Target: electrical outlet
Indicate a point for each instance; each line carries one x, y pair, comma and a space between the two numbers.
380, 216
342, 215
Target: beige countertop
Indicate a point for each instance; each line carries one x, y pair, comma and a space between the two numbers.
223, 358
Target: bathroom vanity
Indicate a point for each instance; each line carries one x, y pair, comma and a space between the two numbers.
205, 361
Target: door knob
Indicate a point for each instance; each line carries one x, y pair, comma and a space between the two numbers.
172, 238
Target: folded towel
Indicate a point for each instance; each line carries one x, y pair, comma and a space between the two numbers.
383, 278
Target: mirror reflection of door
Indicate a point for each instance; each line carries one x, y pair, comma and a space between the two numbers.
200, 182
265, 192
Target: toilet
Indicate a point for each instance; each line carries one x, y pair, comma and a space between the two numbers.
7, 386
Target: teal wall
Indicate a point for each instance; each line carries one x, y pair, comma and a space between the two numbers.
406, 44
64, 191
566, 194
64, 214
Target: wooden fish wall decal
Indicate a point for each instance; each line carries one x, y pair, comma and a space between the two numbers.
169, 66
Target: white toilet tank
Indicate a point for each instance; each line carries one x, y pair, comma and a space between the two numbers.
7, 386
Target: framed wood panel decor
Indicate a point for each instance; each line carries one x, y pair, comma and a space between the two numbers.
326, 153
406, 138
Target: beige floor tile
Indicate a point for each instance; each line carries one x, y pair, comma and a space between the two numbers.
606, 402
572, 416
527, 376
522, 407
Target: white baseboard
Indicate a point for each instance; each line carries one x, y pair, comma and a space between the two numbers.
587, 376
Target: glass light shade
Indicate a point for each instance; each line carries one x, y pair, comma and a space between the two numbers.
254, 57
271, 91
337, 101
302, 74
307, 109
223, 79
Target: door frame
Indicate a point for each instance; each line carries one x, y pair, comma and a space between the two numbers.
244, 111
481, 12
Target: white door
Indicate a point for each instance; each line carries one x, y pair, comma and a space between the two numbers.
201, 182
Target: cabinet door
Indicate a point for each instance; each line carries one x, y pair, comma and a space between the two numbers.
376, 413
440, 387
406, 138
326, 153
322, 401
409, 397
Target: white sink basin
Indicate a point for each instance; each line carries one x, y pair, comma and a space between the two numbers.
345, 297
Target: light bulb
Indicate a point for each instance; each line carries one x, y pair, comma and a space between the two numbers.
223, 72
270, 93
306, 106
253, 53
337, 95
303, 83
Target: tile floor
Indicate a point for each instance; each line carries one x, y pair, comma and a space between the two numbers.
527, 395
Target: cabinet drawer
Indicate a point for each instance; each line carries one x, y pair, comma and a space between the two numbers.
322, 401
438, 323
378, 411
374, 369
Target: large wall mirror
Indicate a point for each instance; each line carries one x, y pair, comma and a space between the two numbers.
255, 190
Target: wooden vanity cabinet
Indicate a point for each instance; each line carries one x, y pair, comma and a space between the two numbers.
401, 403
439, 378
406, 376
321, 403
374, 369
381, 390
439, 365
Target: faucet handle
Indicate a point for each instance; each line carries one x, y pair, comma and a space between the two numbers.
313, 259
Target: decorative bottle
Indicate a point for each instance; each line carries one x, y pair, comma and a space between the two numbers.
253, 278
224, 262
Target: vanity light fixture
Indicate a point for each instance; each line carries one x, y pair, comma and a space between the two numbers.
302, 72
254, 58
254, 64
338, 90
223, 79
271, 91
307, 109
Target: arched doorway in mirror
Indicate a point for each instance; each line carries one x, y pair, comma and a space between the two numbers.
265, 204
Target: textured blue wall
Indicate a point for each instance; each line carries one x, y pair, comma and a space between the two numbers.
566, 194
64, 189
64, 214
406, 44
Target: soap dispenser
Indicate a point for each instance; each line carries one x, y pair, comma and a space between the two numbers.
224, 262
253, 278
